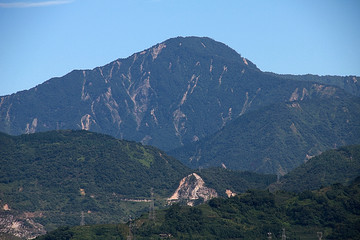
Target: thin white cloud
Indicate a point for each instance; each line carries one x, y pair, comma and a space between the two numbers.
33, 4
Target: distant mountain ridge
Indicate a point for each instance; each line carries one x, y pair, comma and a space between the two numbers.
163, 96
350, 84
278, 138
340, 165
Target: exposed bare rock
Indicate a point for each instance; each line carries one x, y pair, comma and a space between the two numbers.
86, 122
304, 94
152, 113
221, 76
156, 50
195, 139
192, 188
31, 128
247, 103
179, 123
6, 207
227, 118
229, 193
293, 128
324, 90
294, 95
244, 59
22, 226
294, 105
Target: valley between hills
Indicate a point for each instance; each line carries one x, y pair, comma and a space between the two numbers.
193, 131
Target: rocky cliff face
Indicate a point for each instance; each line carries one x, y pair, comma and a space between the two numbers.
192, 189
163, 96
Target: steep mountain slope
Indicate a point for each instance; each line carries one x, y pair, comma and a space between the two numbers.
164, 96
278, 138
334, 166
52, 177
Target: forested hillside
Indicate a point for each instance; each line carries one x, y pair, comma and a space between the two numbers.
332, 212
57, 178
236, 181
57, 175
340, 165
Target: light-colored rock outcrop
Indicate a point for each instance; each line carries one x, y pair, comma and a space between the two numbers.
192, 188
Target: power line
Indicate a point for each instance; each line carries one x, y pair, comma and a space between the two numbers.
152, 206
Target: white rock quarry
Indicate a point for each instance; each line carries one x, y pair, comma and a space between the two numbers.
192, 188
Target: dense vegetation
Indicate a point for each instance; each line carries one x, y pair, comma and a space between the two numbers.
62, 173
222, 179
257, 121
278, 138
59, 174
334, 166
333, 211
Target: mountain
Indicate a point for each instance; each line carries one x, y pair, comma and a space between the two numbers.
340, 165
329, 213
350, 84
278, 138
52, 177
56, 178
171, 94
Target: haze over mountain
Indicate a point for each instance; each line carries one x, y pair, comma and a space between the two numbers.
172, 94
340, 165
280, 137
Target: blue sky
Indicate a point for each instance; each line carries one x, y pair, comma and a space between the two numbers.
44, 39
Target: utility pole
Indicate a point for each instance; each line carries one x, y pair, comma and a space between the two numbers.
82, 221
278, 174
152, 206
283, 235
131, 235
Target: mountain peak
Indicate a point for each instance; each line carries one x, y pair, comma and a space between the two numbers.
160, 96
